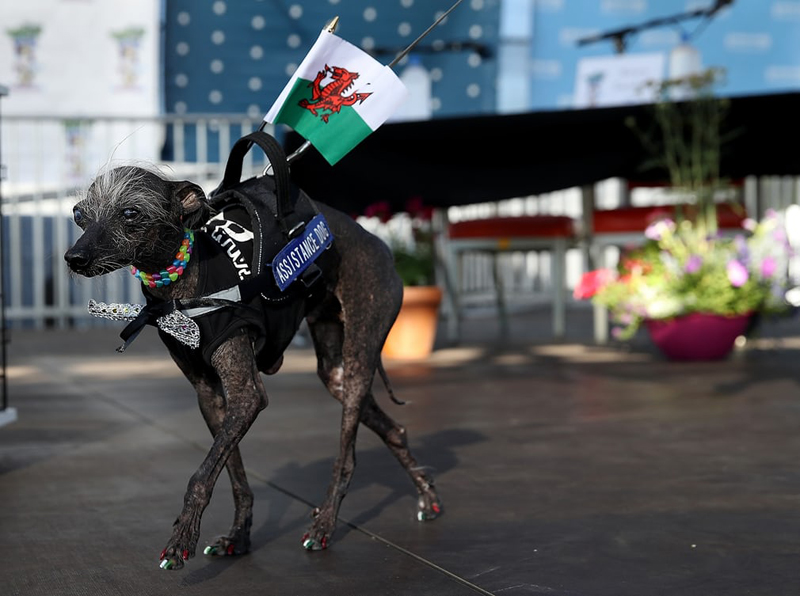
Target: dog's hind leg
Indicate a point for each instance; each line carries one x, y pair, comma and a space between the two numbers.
349, 380
350, 390
245, 397
394, 435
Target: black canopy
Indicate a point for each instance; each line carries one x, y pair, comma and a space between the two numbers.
458, 161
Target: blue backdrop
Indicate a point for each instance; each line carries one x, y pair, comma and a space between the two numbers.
756, 41
235, 56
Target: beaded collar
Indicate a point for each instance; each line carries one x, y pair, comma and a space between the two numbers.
174, 271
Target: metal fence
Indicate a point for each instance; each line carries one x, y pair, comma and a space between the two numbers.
48, 161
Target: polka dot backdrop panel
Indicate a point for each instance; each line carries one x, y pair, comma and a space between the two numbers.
235, 56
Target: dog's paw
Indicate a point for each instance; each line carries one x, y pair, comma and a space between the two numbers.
226, 546
316, 542
429, 508
319, 535
172, 558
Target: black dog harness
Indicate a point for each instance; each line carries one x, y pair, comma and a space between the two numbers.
261, 256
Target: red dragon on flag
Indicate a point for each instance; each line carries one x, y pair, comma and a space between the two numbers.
329, 97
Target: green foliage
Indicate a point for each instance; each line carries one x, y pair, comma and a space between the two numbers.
685, 267
681, 270
688, 139
26, 30
409, 234
416, 267
129, 34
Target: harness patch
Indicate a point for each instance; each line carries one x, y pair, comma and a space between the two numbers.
297, 256
230, 229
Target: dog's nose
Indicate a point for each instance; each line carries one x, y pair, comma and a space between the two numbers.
77, 259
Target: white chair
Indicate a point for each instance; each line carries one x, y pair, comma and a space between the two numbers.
551, 233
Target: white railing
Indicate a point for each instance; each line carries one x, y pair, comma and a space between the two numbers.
47, 161
525, 276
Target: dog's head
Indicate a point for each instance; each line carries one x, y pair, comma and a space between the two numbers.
133, 216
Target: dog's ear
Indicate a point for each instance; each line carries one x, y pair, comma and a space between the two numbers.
194, 206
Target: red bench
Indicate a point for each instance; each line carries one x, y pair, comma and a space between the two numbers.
627, 220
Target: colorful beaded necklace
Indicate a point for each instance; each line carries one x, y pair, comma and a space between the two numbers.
174, 271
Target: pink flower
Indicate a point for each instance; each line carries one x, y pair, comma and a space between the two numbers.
768, 267
693, 264
737, 273
592, 282
657, 229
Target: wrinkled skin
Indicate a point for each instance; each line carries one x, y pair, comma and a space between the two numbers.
136, 218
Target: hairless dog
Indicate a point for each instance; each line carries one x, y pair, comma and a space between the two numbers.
134, 217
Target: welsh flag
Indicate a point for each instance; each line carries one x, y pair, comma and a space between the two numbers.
337, 97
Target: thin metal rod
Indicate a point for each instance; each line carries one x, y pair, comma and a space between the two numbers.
411, 46
618, 36
298, 152
3, 337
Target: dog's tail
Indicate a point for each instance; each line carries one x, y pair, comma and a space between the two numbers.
388, 385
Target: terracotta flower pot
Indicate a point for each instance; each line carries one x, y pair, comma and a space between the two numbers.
697, 336
414, 331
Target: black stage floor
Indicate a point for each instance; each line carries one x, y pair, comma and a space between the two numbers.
565, 469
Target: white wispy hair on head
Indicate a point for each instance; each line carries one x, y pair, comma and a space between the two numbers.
128, 184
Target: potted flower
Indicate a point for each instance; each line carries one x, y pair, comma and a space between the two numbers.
410, 236
695, 293
687, 284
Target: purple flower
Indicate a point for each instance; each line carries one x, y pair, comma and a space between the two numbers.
768, 267
693, 264
741, 247
737, 273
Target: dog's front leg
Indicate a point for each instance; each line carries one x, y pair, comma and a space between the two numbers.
245, 397
211, 400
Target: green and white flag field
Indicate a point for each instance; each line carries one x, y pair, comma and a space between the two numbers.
337, 97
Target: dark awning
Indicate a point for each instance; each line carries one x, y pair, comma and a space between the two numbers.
458, 161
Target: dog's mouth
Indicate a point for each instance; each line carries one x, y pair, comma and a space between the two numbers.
87, 265
88, 271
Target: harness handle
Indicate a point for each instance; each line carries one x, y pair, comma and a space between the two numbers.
288, 220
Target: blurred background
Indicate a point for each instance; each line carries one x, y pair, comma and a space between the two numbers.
613, 471
176, 82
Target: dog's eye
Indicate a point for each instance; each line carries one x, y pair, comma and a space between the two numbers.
130, 213
78, 217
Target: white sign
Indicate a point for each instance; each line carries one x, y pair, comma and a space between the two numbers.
623, 79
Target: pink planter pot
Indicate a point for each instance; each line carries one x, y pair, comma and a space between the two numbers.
697, 336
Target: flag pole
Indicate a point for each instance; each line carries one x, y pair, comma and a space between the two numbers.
330, 28
411, 46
